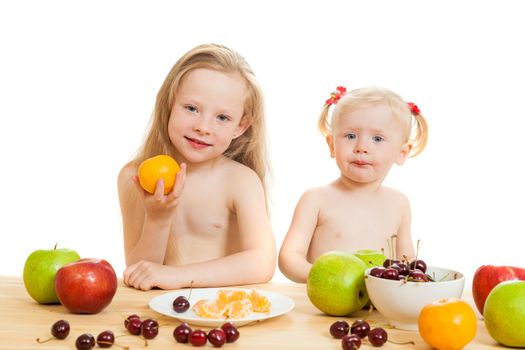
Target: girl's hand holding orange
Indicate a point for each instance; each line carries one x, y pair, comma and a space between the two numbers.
155, 168
165, 192
447, 324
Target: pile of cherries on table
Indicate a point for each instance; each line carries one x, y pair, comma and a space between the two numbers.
360, 329
394, 269
148, 329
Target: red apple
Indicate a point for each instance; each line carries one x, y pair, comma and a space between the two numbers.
488, 276
86, 286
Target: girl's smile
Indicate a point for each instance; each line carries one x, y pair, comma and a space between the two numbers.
197, 144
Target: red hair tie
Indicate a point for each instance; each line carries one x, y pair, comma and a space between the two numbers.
339, 92
413, 108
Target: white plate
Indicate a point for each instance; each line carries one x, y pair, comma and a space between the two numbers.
163, 304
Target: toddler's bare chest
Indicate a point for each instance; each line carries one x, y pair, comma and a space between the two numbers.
355, 220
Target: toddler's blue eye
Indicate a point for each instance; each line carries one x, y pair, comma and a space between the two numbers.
378, 139
351, 136
191, 108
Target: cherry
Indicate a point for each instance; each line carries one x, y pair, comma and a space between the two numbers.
181, 333
390, 274
217, 337
198, 337
134, 326
106, 339
351, 342
129, 318
403, 269
232, 333
417, 276
59, 330
85, 342
149, 328
377, 336
390, 262
418, 264
181, 304
377, 271
339, 329
360, 328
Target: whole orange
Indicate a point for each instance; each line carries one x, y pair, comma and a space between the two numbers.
155, 168
447, 324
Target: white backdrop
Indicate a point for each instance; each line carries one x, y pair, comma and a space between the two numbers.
78, 83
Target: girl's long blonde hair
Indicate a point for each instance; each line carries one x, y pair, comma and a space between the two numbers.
250, 148
417, 127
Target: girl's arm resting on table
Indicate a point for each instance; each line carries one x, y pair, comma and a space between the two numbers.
246, 267
293, 254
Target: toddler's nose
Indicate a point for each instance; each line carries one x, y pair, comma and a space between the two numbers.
360, 148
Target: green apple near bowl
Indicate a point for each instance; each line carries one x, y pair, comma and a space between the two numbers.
504, 313
336, 284
371, 257
40, 269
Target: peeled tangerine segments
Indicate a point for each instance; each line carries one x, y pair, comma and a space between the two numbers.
232, 304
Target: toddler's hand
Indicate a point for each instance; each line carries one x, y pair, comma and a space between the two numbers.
159, 206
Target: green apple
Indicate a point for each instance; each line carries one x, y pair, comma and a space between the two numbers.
336, 284
40, 269
371, 257
504, 313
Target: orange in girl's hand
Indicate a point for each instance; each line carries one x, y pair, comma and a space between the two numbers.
159, 167
447, 324
232, 304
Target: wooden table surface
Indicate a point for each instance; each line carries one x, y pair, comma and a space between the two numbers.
22, 320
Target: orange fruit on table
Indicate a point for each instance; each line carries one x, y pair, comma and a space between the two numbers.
447, 324
155, 168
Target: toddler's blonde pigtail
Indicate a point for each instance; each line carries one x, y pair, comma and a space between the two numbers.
419, 141
324, 124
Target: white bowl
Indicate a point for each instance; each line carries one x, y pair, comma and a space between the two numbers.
401, 302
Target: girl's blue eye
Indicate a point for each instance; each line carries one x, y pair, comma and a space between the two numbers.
378, 139
223, 117
350, 136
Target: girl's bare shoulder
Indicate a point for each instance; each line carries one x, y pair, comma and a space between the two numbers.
125, 177
238, 174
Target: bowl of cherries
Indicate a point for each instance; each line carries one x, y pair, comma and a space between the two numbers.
400, 289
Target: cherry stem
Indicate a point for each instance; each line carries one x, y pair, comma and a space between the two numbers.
411, 342
417, 251
131, 335
393, 238
389, 251
43, 341
442, 278
110, 343
191, 289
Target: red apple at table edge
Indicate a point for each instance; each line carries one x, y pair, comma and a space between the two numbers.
487, 277
86, 286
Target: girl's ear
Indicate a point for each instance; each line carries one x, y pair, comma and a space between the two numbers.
403, 155
244, 124
330, 142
